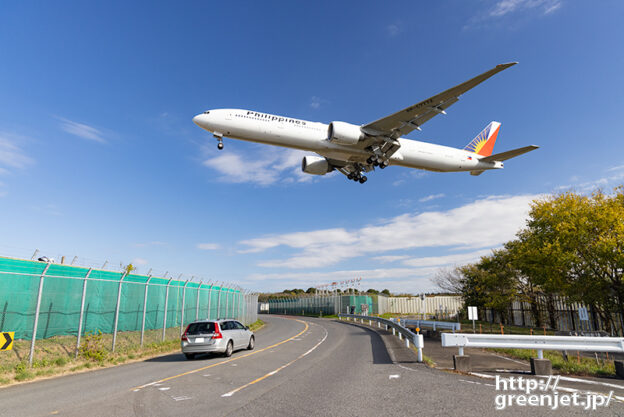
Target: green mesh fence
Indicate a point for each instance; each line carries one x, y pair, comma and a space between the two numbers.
62, 294
328, 304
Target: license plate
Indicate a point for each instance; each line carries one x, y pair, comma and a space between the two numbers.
199, 340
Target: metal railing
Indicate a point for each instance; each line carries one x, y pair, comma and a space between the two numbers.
540, 343
397, 329
430, 324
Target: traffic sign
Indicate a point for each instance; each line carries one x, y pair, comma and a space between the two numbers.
6, 340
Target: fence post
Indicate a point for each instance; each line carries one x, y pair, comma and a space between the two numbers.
209, 297
182, 313
165, 315
197, 301
149, 277
82, 303
34, 335
219, 301
227, 293
117, 310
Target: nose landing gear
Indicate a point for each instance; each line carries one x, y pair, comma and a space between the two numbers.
219, 137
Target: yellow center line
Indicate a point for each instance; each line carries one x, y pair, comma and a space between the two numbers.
226, 361
229, 394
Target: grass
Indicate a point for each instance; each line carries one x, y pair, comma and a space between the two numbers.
56, 355
575, 365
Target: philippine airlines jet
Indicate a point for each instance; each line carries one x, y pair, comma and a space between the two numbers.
354, 150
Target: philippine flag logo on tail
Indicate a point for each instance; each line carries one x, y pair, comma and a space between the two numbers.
483, 144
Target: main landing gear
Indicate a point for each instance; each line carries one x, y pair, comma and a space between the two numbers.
378, 161
357, 177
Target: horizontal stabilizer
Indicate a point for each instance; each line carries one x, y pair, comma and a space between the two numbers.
503, 156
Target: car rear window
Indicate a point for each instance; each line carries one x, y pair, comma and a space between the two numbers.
201, 328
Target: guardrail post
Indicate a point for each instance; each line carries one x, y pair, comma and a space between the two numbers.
400, 336
197, 301
540, 354
82, 303
461, 351
393, 333
165, 315
149, 277
34, 335
182, 312
117, 310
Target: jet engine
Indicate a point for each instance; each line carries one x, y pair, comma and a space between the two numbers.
315, 165
344, 133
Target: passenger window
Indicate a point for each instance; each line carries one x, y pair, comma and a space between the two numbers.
239, 326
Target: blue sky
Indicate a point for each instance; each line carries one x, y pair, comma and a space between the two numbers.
99, 157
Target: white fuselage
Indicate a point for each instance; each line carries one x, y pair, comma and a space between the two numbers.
312, 136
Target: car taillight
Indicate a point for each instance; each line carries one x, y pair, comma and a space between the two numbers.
217, 333
184, 338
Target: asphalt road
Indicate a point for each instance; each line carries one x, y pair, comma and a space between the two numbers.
300, 367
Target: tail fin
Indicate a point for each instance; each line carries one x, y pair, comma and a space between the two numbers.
483, 144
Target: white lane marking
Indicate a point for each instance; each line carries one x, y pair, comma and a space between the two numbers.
229, 394
559, 388
234, 364
470, 382
206, 375
164, 388
183, 398
587, 381
395, 376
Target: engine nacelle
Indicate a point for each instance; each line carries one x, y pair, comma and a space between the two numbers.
344, 133
315, 165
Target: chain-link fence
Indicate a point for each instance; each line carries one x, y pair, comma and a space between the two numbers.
39, 300
328, 304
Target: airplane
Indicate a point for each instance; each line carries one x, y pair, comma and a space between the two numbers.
354, 150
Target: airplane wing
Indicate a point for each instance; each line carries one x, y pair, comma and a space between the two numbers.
406, 120
503, 156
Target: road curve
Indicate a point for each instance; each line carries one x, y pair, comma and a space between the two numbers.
300, 367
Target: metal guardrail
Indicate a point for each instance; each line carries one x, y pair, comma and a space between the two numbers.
397, 329
430, 324
540, 343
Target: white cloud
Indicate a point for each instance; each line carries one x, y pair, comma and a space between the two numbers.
82, 130
390, 258
315, 102
396, 279
269, 167
504, 8
484, 223
459, 259
431, 197
394, 29
208, 246
152, 243
11, 155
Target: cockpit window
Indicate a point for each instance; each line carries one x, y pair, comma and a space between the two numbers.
206, 112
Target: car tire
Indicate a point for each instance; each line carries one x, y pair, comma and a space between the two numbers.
190, 356
229, 349
252, 343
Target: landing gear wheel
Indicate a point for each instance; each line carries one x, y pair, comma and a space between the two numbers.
229, 349
220, 145
350, 176
363, 180
252, 343
190, 356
